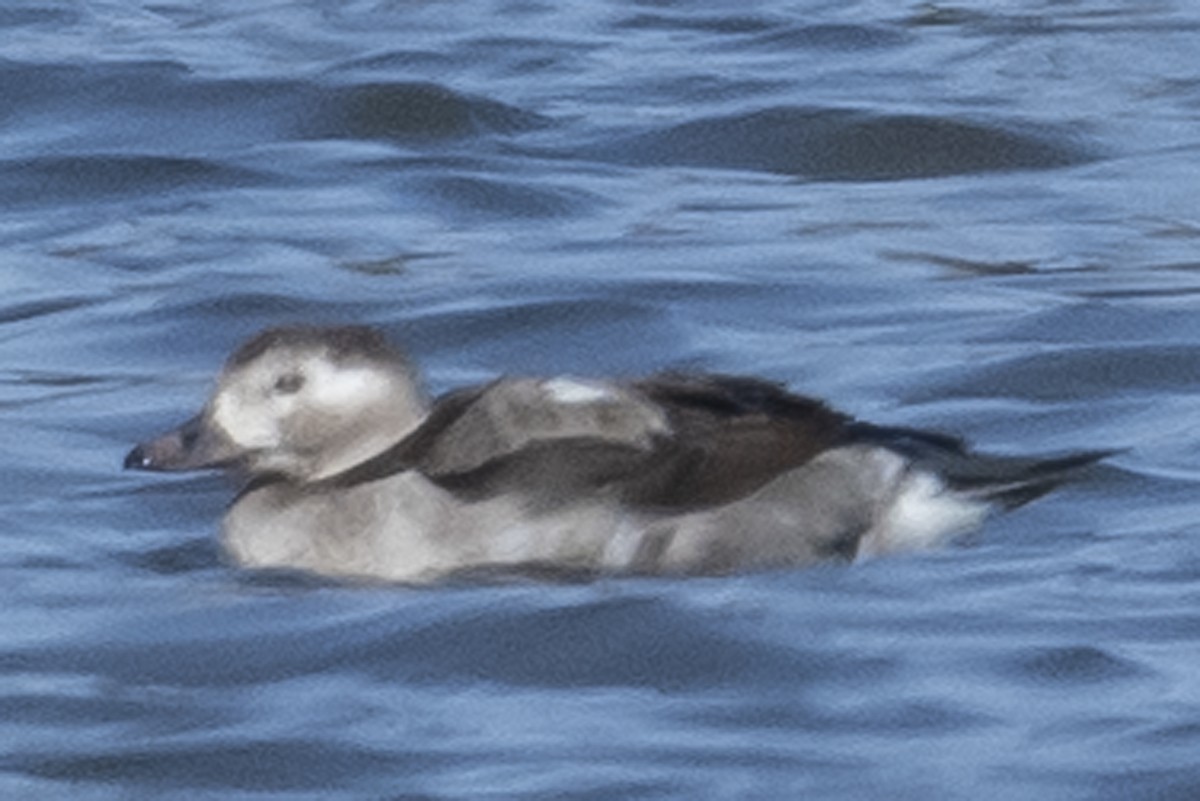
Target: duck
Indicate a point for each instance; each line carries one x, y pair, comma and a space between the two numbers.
349, 469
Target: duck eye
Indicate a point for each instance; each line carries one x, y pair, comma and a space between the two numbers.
288, 383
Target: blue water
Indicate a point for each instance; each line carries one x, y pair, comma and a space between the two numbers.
981, 218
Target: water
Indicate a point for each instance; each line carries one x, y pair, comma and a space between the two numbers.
973, 217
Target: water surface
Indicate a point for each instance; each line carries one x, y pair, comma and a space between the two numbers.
974, 218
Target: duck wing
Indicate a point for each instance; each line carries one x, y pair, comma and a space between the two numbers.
549, 439
550, 436
671, 441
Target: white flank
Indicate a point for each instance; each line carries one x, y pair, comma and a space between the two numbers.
923, 513
623, 544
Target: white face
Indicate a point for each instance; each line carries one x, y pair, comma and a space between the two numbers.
294, 412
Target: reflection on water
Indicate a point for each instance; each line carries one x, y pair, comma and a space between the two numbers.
981, 221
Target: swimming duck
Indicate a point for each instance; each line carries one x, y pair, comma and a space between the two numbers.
350, 470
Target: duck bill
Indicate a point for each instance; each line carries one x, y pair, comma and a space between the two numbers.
192, 446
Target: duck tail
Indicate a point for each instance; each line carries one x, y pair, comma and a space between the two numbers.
1012, 481
1006, 481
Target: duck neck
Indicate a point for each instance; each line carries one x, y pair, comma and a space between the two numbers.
375, 434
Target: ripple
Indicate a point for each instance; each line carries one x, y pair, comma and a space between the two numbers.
73, 179
201, 553
275, 765
1072, 665
1159, 783
1072, 374
617, 642
488, 198
844, 145
181, 113
412, 112
833, 37
28, 310
709, 23
555, 644
588, 332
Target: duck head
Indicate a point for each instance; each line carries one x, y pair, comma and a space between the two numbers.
302, 402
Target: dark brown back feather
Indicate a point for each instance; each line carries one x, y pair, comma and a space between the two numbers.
732, 435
